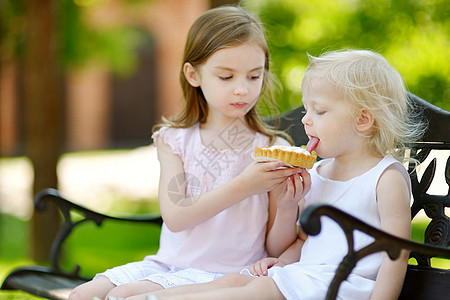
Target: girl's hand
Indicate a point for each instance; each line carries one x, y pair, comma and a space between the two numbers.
294, 189
261, 177
260, 267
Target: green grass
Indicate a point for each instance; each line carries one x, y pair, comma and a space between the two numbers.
17, 295
13, 252
94, 248
112, 244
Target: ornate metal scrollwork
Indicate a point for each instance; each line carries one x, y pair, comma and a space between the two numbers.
437, 232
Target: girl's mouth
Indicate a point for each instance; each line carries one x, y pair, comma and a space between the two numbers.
312, 144
239, 104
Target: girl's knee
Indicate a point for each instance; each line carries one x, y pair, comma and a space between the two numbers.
83, 292
77, 294
268, 286
233, 280
98, 287
134, 288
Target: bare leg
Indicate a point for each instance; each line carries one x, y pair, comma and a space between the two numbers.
230, 280
98, 287
257, 288
134, 288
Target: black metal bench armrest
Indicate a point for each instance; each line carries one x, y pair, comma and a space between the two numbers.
392, 245
67, 208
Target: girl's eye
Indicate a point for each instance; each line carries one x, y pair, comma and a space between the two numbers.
320, 112
225, 77
255, 77
304, 110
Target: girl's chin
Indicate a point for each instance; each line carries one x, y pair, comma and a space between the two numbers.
239, 115
322, 155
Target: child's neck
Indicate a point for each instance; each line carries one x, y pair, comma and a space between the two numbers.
344, 168
227, 134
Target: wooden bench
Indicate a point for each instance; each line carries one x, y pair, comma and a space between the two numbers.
422, 281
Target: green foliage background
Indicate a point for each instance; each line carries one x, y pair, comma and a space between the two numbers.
80, 43
413, 35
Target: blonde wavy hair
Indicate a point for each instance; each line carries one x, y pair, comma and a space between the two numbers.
216, 29
368, 81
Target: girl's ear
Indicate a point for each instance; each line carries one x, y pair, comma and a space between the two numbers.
365, 121
191, 75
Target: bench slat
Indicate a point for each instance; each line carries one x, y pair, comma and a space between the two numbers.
41, 282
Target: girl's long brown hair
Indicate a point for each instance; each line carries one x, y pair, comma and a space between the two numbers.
217, 29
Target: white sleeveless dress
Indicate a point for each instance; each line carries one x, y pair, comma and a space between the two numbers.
310, 277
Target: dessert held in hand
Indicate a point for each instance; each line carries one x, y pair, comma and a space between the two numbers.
294, 156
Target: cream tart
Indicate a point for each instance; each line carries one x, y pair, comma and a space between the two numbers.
295, 156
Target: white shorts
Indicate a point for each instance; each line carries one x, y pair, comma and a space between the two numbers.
162, 274
183, 277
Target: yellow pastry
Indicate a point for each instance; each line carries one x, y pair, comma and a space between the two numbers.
295, 156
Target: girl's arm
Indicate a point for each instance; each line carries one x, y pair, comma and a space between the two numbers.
283, 209
292, 254
180, 213
289, 256
393, 205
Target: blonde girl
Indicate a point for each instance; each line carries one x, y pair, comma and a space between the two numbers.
222, 211
357, 116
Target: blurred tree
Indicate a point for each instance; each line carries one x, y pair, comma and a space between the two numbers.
413, 35
42, 114
47, 37
82, 43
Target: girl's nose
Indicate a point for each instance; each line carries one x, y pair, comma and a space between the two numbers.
240, 89
306, 120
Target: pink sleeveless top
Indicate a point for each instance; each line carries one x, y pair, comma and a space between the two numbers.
232, 239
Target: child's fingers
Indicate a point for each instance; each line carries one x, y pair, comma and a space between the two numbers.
272, 165
272, 176
252, 269
277, 179
301, 182
306, 177
298, 184
260, 268
264, 266
282, 174
290, 186
280, 168
255, 269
